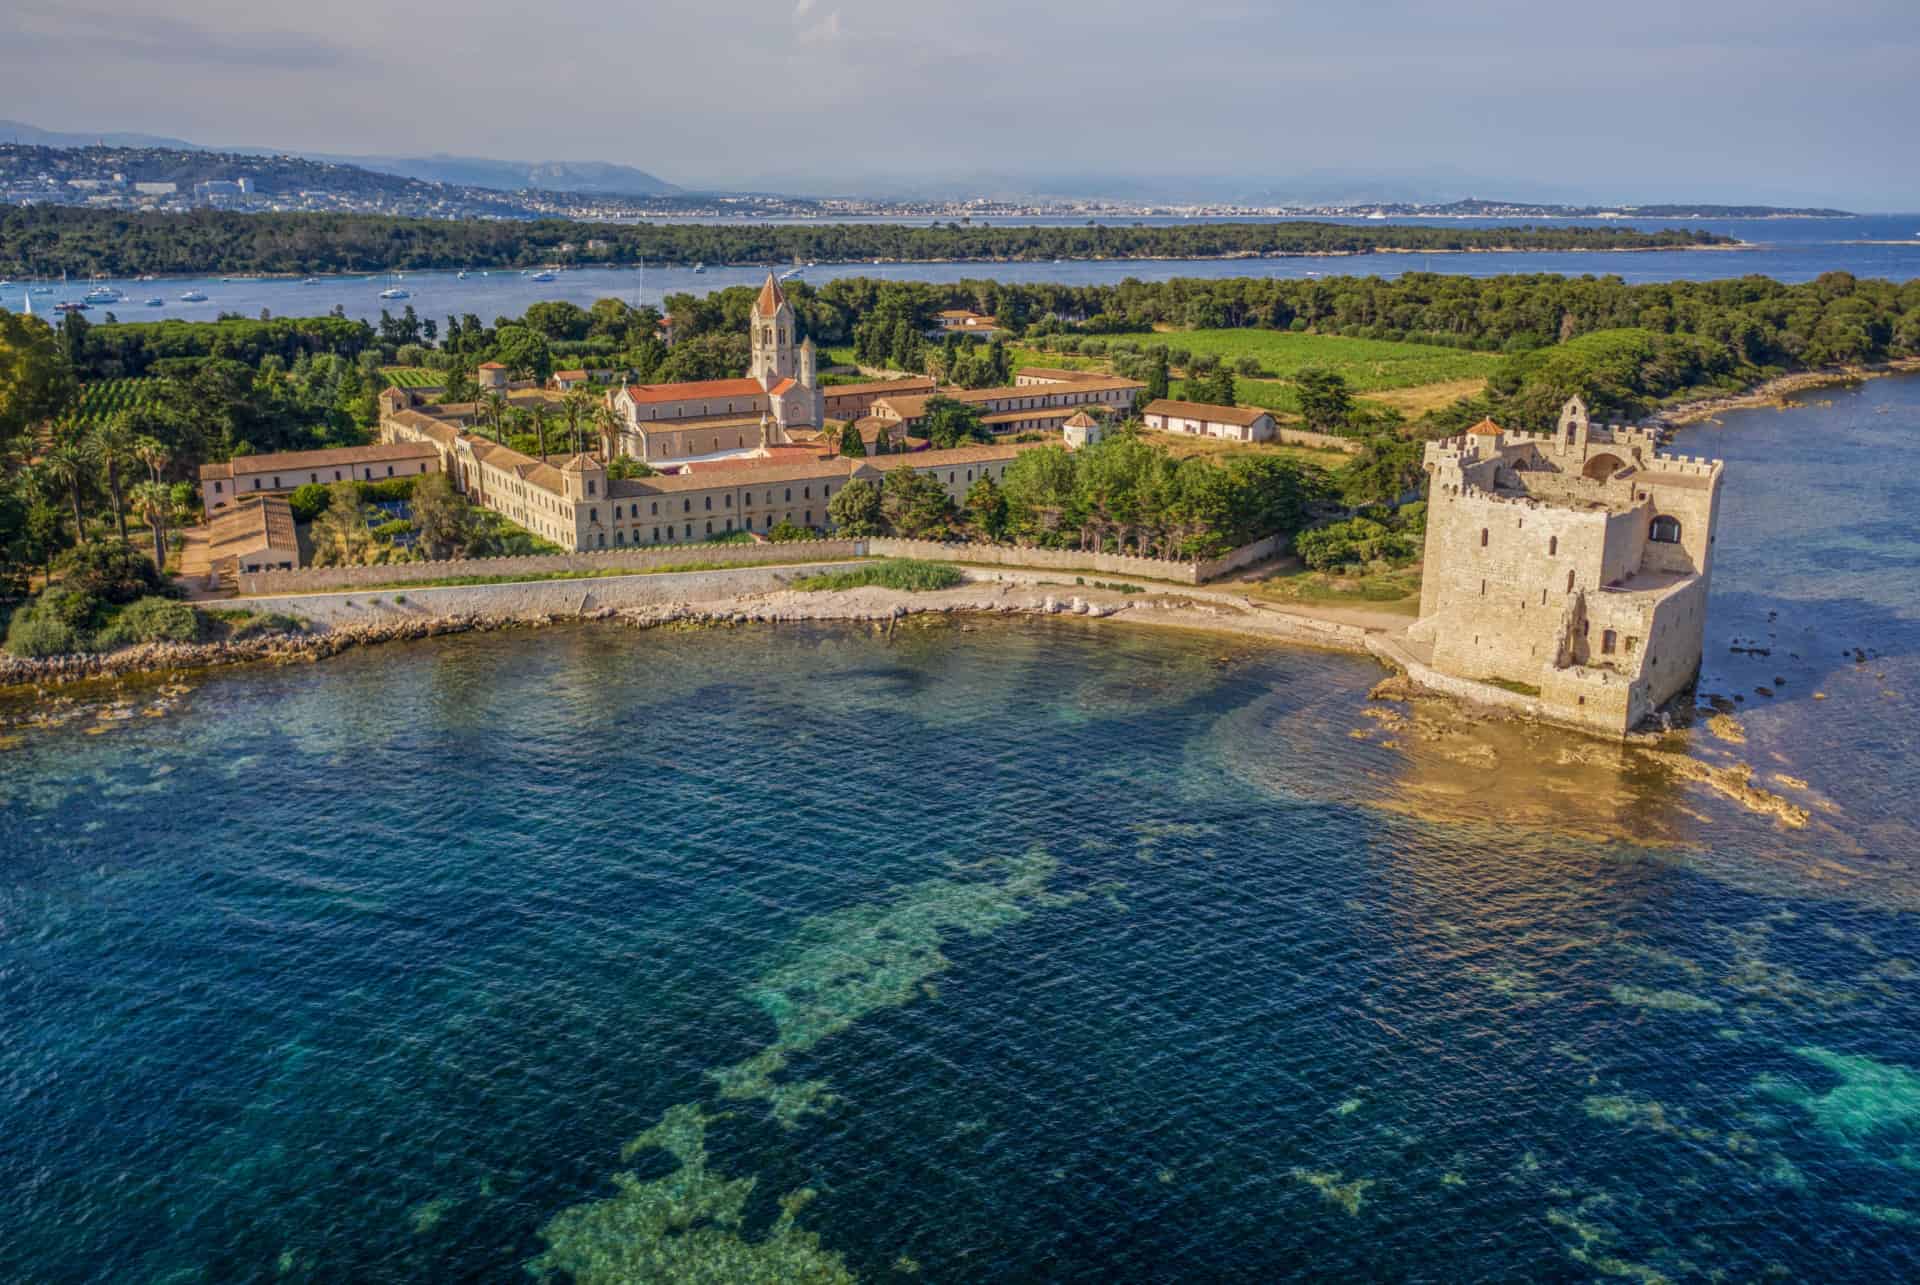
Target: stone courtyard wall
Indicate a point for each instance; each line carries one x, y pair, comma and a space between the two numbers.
534, 566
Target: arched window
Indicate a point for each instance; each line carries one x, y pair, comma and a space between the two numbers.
1483, 537
1553, 545
1569, 582
1665, 530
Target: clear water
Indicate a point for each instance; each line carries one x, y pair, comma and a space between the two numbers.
1023, 951
1881, 245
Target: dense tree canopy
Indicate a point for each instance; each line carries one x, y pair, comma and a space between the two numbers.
124, 243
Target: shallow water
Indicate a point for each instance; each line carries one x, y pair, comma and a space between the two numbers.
1039, 950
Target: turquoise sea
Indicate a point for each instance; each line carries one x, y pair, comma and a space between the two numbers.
1037, 951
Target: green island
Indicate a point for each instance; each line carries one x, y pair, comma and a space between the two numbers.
121, 243
106, 425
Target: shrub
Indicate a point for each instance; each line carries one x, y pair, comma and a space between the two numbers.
30, 633
787, 532
75, 608
250, 623
152, 620
308, 502
388, 490
112, 571
909, 574
388, 530
1357, 540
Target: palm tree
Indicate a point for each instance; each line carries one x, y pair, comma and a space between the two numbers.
66, 464
153, 501
609, 422
575, 406
539, 416
153, 453
493, 407
111, 442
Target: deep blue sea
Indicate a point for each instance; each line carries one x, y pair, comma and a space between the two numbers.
1880, 245
1005, 951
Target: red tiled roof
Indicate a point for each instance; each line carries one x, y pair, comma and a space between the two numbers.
1486, 428
776, 457
1206, 412
783, 386
694, 390
569, 374
491, 365
772, 298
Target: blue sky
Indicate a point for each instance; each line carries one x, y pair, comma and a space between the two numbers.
1629, 100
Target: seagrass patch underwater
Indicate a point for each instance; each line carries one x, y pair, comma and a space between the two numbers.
1017, 951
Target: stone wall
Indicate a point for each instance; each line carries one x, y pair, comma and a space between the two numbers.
534, 566
530, 598
1318, 441
1119, 564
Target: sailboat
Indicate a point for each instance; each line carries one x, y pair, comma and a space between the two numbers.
395, 292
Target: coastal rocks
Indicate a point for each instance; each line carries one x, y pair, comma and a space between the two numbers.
1394, 687
1735, 781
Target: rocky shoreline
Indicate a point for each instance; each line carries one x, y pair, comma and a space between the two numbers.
1775, 392
869, 605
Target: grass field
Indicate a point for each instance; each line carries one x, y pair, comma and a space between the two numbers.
1368, 365
1396, 591
412, 377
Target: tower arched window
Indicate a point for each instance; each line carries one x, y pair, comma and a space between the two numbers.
1665, 530
1553, 545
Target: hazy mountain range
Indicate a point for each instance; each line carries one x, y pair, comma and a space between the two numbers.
459, 171
1430, 185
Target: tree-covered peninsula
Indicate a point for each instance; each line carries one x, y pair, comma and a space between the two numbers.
47, 240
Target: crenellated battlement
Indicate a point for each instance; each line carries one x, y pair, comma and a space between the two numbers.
1575, 562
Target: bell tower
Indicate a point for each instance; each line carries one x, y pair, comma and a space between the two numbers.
772, 337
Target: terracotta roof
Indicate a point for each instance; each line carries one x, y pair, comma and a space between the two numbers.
251, 526
958, 455
577, 463
781, 387
1486, 428
569, 374
911, 384
1040, 412
772, 298
1207, 412
291, 461
491, 365
776, 457
833, 469
1082, 420
694, 390
439, 430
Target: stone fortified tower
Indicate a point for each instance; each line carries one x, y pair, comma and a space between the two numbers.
1574, 566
